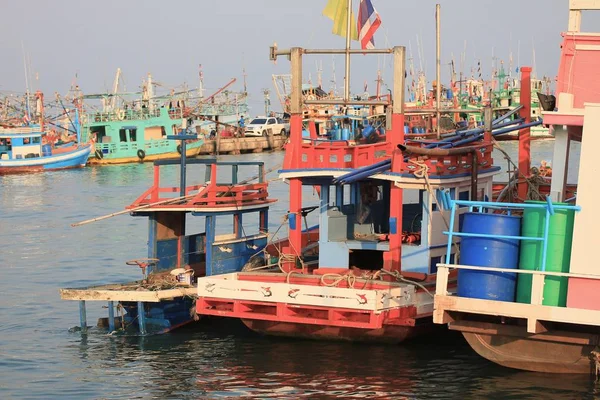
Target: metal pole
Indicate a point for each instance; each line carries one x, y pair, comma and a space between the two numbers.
348, 30
438, 68
82, 316
182, 170
141, 318
111, 316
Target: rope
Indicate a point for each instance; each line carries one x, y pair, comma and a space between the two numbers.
422, 172
337, 278
399, 277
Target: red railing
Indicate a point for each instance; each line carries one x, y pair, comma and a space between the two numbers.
338, 154
209, 194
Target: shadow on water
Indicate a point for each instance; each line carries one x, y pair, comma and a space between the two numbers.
220, 358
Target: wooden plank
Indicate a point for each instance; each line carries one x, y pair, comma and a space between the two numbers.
273, 292
499, 329
149, 296
584, 5
519, 271
515, 310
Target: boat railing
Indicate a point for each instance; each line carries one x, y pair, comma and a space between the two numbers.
210, 193
338, 154
122, 115
448, 304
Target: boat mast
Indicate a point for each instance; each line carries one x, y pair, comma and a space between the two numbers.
347, 56
27, 105
113, 102
201, 83
150, 93
438, 69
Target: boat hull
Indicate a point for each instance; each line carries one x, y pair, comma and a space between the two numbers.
532, 355
193, 149
387, 334
63, 160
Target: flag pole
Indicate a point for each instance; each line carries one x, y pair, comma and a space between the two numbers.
348, 35
438, 88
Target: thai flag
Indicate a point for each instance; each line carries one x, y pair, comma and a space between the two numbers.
368, 23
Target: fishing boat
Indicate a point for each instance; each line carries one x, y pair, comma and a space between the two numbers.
235, 216
137, 130
366, 272
528, 290
25, 146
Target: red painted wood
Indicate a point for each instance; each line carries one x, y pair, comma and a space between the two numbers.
584, 294
525, 134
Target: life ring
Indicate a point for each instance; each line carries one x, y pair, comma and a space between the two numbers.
179, 148
141, 154
121, 115
99, 154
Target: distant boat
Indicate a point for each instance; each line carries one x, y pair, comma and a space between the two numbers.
127, 136
22, 150
127, 131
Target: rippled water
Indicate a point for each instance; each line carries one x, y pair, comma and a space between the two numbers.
40, 358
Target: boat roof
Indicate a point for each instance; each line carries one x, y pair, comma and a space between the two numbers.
21, 131
401, 178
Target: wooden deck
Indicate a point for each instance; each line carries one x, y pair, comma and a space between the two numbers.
132, 291
448, 306
242, 145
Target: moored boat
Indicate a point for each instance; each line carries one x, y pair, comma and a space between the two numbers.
366, 272
548, 318
136, 131
26, 147
164, 299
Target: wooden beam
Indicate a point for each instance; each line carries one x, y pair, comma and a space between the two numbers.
517, 310
157, 296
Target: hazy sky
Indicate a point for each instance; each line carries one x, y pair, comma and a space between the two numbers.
169, 39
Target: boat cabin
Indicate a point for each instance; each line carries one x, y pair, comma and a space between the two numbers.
19, 143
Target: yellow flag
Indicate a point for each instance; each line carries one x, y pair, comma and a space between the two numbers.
337, 11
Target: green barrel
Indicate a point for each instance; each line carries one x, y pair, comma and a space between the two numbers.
558, 253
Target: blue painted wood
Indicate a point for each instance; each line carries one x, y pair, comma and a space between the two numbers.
82, 316
210, 226
141, 317
333, 255
111, 316
232, 256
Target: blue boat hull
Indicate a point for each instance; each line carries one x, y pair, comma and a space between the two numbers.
70, 159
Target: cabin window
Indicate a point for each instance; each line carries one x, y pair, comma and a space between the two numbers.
412, 216
122, 135
175, 129
133, 135
36, 140
464, 195
163, 132
251, 224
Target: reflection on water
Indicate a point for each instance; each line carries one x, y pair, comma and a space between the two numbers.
40, 358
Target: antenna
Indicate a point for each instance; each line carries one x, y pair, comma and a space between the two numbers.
26, 82
201, 82
533, 48
333, 81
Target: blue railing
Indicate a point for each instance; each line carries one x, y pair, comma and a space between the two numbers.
484, 206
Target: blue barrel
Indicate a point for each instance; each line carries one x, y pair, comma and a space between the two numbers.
337, 134
46, 150
406, 129
415, 129
345, 134
368, 131
422, 129
489, 252
305, 133
449, 94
